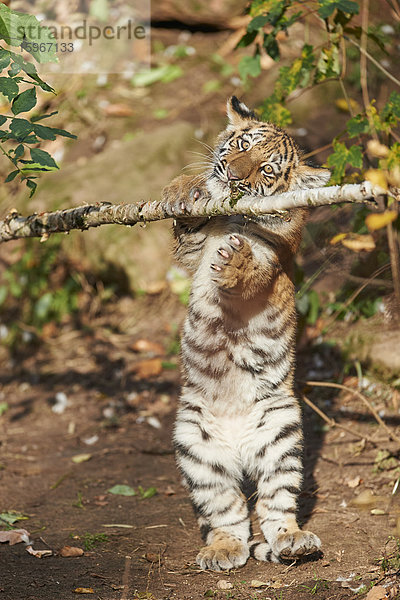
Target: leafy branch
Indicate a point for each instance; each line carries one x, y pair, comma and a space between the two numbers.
19, 86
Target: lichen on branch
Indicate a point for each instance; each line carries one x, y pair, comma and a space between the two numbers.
14, 226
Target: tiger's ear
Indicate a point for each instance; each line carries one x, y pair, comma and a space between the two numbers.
238, 113
307, 176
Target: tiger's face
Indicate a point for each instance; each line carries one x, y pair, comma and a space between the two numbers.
259, 158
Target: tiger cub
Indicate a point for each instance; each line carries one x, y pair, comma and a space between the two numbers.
238, 418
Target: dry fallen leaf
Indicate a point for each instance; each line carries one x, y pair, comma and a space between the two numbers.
143, 345
277, 584
358, 242
14, 536
148, 368
155, 287
343, 105
223, 584
39, 553
256, 583
169, 491
118, 110
376, 593
80, 458
377, 177
337, 238
71, 551
152, 557
353, 483
376, 221
82, 590
375, 148
365, 499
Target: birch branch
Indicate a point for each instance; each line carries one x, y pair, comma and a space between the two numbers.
44, 224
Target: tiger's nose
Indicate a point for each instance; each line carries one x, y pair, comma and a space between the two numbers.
231, 174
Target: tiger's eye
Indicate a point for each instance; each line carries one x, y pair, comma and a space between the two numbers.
243, 144
267, 169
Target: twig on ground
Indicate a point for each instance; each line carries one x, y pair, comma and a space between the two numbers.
82, 217
332, 423
126, 577
367, 403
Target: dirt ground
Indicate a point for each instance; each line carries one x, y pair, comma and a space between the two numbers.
118, 421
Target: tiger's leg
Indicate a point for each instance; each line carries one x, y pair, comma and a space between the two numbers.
211, 474
280, 468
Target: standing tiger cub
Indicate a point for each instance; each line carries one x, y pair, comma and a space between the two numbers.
238, 419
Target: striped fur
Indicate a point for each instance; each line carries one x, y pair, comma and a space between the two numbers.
238, 417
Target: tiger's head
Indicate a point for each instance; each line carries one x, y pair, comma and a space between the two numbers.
259, 158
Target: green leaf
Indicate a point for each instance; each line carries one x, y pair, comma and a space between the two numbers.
14, 69
271, 46
3, 119
327, 7
43, 158
249, 65
21, 29
11, 176
30, 166
257, 23
46, 133
391, 111
357, 125
64, 133
24, 101
122, 490
149, 493
4, 58
19, 151
355, 157
338, 161
32, 186
393, 158
37, 118
341, 157
247, 39
8, 87
20, 128
165, 73
273, 110
12, 516
9, 30
328, 64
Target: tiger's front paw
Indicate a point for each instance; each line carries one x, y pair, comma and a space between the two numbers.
180, 195
223, 554
296, 544
231, 262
